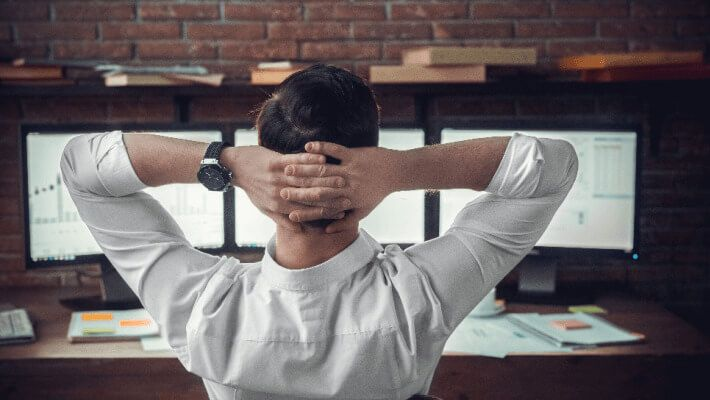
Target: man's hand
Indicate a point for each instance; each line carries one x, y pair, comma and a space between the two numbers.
260, 172
370, 174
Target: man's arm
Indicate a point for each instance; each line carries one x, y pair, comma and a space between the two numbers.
526, 180
104, 175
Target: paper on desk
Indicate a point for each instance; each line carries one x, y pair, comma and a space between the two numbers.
496, 337
601, 331
154, 343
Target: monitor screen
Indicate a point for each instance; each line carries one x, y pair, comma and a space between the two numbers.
598, 213
56, 232
398, 219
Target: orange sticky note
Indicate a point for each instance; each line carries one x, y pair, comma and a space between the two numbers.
97, 316
134, 322
568, 324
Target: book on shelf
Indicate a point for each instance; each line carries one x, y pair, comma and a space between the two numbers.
271, 76
637, 59
424, 74
11, 72
121, 79
439, 56
647, 73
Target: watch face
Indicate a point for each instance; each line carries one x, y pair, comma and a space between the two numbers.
211, 176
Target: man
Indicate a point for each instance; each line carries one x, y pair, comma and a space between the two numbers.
327, 313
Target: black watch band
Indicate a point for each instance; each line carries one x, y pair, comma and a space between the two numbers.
215, 148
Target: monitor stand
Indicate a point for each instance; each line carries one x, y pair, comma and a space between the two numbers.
115, 293
537, 284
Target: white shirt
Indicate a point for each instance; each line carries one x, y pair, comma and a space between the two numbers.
368, 323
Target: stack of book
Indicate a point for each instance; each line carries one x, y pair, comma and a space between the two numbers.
19, 72
637, 66
273, 73
450, 64
121, 75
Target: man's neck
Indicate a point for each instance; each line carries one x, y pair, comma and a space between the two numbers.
298, 250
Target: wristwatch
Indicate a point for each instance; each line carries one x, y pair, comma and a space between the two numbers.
212, 174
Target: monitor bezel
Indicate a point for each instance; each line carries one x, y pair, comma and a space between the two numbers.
62, 128
564, 124
234, 247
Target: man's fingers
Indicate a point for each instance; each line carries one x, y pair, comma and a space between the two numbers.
300, 158
299, 181
313, 195
311, 170
329, 149
283, 220
341, 224
316, 213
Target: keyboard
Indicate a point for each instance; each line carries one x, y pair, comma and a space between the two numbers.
16, 327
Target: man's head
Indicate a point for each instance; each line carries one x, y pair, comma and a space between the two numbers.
320, 103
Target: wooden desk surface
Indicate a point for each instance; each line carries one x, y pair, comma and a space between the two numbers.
52, 361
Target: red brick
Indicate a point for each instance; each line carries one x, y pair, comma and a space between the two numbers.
5, 33
684, 8
92, 50
9, 110
11, 224
141, 110
340, 50
10, 206
259, 51
11, 244
556, 106
636, 28
590, 9
348, 12
93, 11
167, 30
693, 28
510, 9
60, 109
429, 11
222, 109
27, 279
457, 105
56, 31
243, 31
14, 50
263, 11
392, 30
567, 47
555, 29
24, 11
661, 44
473, 30
310, 31
179, 11
176, 50
10, 188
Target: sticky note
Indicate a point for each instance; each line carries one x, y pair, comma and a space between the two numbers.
97, 331
134, 322
587, 309
97, 316
568, 324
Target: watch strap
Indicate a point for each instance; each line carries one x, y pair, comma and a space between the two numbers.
214, 149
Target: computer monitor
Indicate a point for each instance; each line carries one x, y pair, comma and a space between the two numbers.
56, 235
599, 211
598, 215
398, 219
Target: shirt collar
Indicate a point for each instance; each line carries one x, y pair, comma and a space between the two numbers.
358, 254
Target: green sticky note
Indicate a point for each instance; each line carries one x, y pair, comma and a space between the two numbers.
588, 309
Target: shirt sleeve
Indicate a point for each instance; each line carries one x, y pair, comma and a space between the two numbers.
499, 227
137, 235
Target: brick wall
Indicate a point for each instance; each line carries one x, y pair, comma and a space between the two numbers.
232, 36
